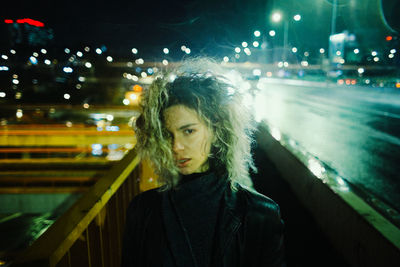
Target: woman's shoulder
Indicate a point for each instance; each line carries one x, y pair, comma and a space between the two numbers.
146, 200
257, 202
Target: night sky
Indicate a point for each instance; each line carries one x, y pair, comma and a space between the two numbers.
206, 26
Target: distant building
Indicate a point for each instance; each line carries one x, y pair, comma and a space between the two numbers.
28, 32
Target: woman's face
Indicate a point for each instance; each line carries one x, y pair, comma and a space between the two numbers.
191, 139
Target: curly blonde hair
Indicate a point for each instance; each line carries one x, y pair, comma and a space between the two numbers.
199, 84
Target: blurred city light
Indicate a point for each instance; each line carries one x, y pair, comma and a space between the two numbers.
97, 149
321, 50
244, 44
87, 49
272, 33
183, 48
356, 51
187, 50
360, 70
68, 70
391, 55
43, 51
15, 81
67, 51
294, 49
304, 63
133, 96
109, 59
35, 54
256, 44
126, 102
392, 51
19, 113
12, 51
4, 68
226, 59
374, 53
81, 79
276, 16
376, 59
165, 62
297, 17
257, 33
67, 96
134, 51
4, 57
47, 62
139, 61
33, 60
166, 51
237, 49
98, 51
257, 72
2, 94
88, 65
27, 21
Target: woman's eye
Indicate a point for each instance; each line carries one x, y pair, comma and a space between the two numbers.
188, 131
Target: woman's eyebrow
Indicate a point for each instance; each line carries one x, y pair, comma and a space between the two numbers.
186, 126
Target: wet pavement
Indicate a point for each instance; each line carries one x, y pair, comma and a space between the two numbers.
354, 130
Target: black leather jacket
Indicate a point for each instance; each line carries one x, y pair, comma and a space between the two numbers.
250, 232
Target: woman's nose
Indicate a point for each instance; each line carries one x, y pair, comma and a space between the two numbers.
178, 146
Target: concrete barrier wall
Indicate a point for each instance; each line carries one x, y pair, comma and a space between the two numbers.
361, 234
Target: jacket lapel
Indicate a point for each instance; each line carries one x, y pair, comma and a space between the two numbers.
177, 238
230, 220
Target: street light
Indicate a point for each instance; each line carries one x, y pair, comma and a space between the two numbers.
276, 17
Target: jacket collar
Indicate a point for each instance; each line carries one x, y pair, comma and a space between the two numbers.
231, 217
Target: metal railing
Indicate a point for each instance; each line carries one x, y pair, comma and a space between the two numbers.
90, 232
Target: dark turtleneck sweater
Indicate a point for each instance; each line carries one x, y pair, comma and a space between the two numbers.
195, 203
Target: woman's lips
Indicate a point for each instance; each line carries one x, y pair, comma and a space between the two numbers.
183, 162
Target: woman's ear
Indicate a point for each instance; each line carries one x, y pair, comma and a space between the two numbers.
136, 122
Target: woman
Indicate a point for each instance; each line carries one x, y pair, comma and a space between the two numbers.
197, 134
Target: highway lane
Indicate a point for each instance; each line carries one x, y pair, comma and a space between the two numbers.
353, 129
